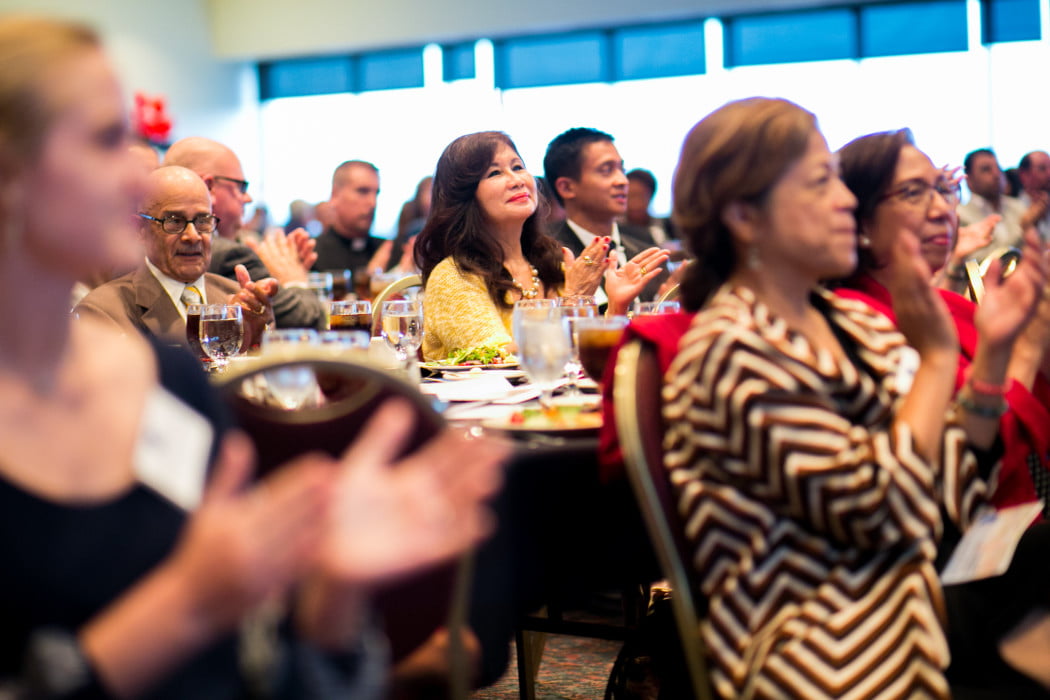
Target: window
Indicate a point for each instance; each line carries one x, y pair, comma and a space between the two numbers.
1010, 20
561, 59
914, 27
659, 51
388, 70
301, 77
791, 37
458, 62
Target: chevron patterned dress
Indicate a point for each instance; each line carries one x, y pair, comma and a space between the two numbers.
813, 522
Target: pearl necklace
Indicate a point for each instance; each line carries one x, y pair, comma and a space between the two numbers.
529, 293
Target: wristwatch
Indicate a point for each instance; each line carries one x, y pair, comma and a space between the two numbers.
56, 666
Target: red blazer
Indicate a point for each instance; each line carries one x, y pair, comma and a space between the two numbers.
1024, 428
665, 331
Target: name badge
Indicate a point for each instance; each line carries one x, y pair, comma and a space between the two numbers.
174, 444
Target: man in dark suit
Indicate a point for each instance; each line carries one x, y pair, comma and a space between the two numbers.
294, 305
176, 228
585, 172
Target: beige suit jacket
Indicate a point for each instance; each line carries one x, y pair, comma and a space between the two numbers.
136, 302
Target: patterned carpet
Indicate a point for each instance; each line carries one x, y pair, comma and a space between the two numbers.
573, 668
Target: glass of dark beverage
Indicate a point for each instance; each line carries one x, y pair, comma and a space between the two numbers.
342, 284
350, 316
596, 338
221, 332
193, 330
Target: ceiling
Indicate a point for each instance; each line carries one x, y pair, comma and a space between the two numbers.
248, 29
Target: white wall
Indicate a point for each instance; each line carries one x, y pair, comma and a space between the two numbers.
269, 29
164, 47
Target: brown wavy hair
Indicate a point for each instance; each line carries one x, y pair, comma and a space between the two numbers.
735, 154
456, 226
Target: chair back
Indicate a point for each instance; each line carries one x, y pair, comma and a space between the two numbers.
390, 292
671, 294
347, 393
975, 271
639, 425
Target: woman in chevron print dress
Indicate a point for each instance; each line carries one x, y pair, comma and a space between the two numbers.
811, 480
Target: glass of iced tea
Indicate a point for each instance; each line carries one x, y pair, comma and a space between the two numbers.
350, 316
597, 337
193, 332
342, 284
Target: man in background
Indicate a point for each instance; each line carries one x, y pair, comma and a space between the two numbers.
288, 259
347, 242
1034, 173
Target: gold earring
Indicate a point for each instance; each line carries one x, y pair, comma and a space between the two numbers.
863, 241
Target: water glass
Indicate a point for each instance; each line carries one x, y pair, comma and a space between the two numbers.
221, 332
652, 308
543, 350
321, 283
572, 308
529, 308
401, 322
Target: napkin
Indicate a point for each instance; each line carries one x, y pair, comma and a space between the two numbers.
484, 388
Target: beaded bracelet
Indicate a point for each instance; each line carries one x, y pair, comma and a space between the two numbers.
957, 274
991, 412
984, 388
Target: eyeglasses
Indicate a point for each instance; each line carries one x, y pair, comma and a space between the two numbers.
175, 224
242, 185
918, 192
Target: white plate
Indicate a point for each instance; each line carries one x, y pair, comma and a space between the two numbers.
439, 367
584, 424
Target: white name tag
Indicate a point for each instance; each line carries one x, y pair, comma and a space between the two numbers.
907, 366
988, 546
171, 456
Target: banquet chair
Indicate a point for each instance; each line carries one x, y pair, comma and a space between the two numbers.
671, 294
345, 394
639, 425
975, 271
391, 291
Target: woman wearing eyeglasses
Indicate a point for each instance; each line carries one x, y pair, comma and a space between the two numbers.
901, 194
813, 485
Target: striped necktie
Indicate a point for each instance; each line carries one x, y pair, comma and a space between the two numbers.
191, 295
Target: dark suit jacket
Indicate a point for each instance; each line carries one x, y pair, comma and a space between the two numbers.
293, 307
136, 302
632, 245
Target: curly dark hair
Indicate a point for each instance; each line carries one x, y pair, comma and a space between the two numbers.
456, 226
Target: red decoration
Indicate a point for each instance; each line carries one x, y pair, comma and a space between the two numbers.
150, 119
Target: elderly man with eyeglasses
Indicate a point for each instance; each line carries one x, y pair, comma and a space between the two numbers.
176, 226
